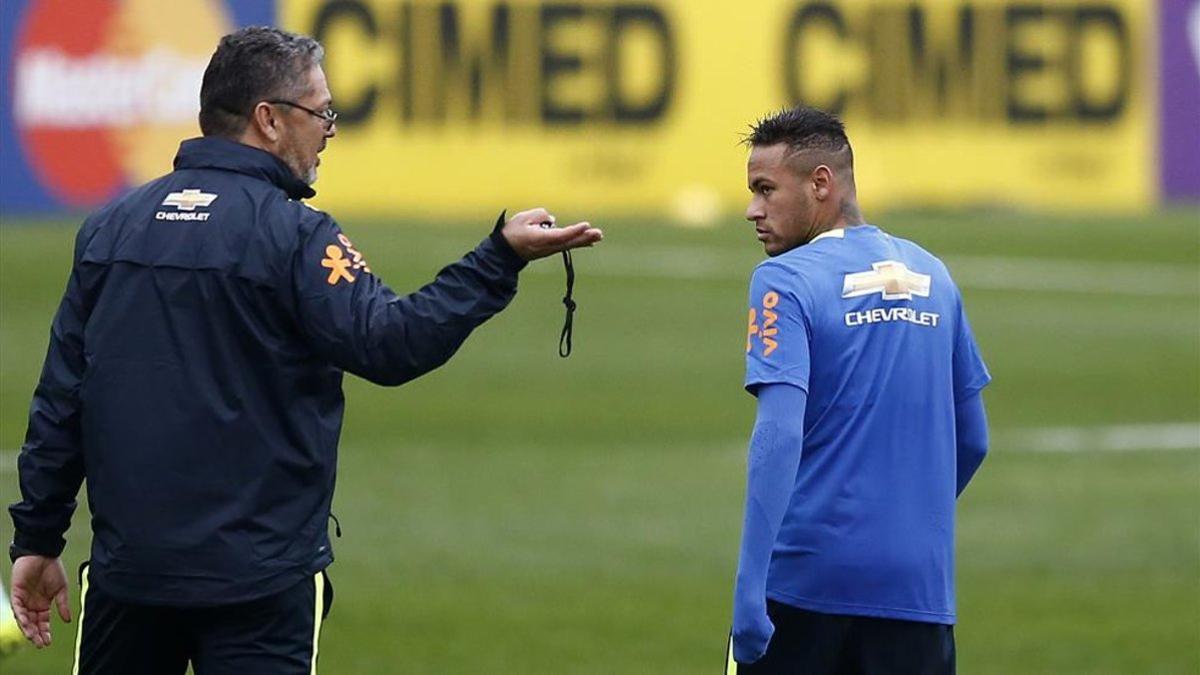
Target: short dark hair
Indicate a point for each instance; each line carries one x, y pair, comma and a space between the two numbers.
802, 128
251, 65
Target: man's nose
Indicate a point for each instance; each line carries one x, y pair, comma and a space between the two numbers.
754, 211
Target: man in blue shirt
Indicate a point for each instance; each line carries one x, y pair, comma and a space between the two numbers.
870, 423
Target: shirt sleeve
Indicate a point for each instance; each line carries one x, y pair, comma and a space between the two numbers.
971, 438
362, 326
774, 457
777, 334
970, 373
50, 465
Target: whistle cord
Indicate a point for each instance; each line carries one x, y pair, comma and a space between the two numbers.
564, 340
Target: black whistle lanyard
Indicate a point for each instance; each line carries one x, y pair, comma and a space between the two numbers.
564, 339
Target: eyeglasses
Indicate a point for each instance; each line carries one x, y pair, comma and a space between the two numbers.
328, 116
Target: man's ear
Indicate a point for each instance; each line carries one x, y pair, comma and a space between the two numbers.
822, 182
265, 122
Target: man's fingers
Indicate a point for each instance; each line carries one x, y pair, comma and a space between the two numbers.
41, 628
24, 620
532, 216
587, 237
34, 621
64, 606
576, 231
576, 236
566, 233
569, 238
531, 242
591, 235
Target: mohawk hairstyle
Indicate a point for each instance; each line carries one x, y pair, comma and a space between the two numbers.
802, 128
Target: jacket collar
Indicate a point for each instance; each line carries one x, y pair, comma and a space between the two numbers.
212, 152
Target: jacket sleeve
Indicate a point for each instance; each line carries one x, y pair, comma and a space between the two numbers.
51, 461
353, 319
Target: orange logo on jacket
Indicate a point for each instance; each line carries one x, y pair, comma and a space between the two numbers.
339, 265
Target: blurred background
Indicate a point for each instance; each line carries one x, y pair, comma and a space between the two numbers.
515, 512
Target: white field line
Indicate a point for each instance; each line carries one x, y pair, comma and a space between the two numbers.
981, 272
1117, 438
1075, 276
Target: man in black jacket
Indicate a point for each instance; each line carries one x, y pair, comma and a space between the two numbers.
194, 380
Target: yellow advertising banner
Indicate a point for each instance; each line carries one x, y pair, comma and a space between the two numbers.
461, 107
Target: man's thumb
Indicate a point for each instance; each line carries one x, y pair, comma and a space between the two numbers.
64, 605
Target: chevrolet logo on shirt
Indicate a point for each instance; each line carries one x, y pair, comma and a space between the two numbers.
890, 278
189, 199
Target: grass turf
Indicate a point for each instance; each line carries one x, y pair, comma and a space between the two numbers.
518, 513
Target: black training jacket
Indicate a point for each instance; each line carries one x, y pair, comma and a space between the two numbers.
194, 377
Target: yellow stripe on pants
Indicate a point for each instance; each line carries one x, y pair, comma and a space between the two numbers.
83, 589
731, 666
319, 612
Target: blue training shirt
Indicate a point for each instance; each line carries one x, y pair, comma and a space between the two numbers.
873, 328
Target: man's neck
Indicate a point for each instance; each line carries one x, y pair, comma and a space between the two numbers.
849, 214
251, 139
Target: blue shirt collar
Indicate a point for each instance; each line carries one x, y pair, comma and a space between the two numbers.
213, 152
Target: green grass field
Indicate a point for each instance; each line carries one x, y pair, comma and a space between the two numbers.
519, 513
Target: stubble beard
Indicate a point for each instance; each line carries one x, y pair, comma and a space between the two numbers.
295, 161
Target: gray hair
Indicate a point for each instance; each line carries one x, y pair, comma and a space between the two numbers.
254, 64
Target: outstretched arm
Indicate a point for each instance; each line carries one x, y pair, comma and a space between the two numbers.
359, 324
